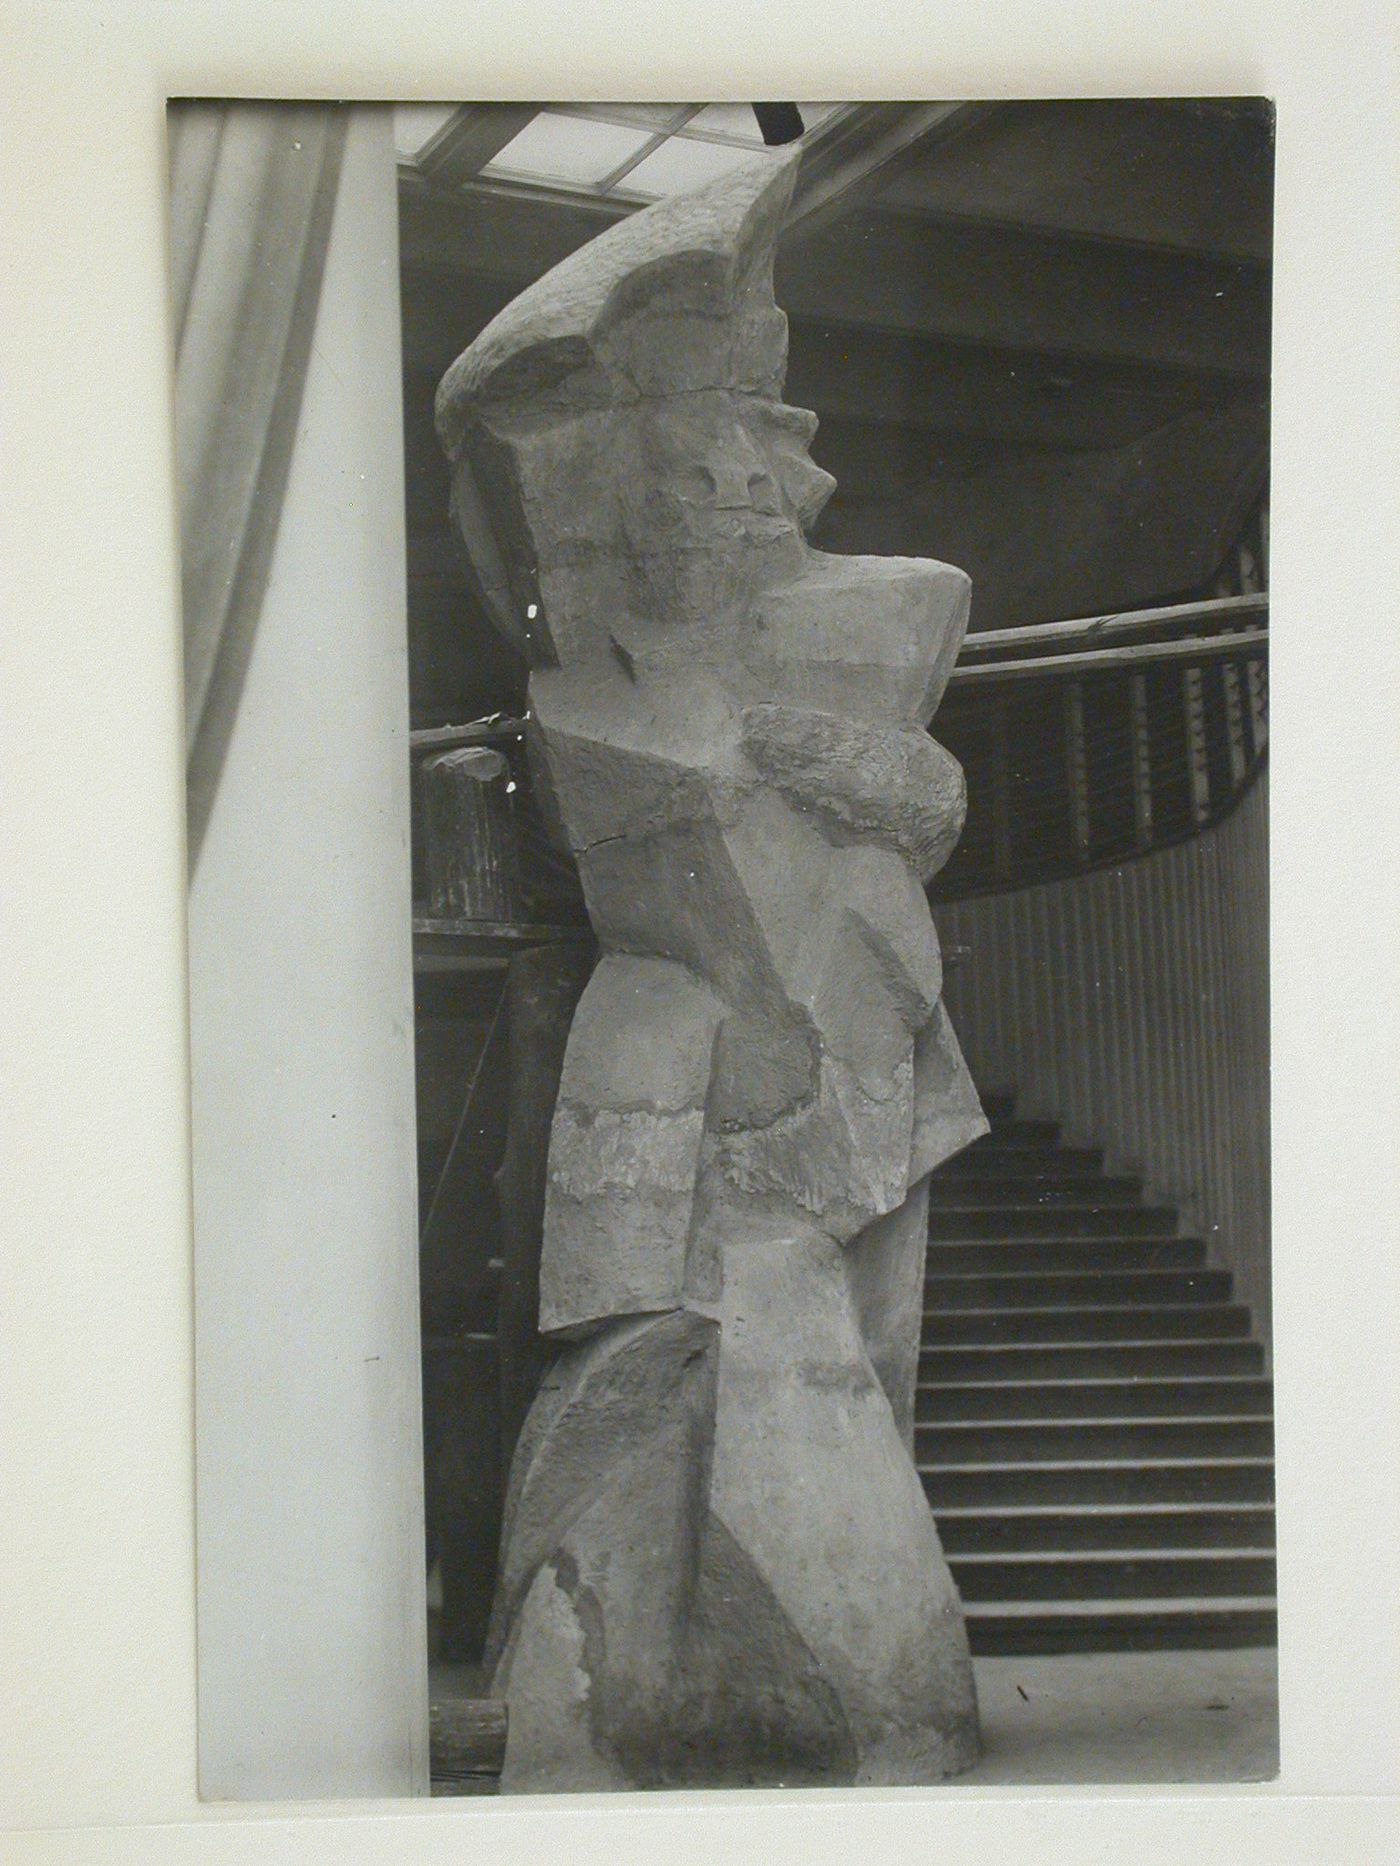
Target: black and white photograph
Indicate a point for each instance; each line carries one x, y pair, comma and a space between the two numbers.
699, 1035
806, 848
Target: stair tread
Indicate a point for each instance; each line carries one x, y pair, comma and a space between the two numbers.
1026, 1557
1094, 1179
937, 1240
1087, 1308
1096, 1380
997, 1143
1099, 1240
1083, 1609
1104, 1240
1098, 1347
1008, 1216
1134, 1463
1095, 1423
994, 1511
969, 1204
1034, 1228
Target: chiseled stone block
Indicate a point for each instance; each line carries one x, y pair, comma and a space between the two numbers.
625, 1151
718, 1562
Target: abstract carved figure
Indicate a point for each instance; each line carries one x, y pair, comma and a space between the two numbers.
718, 1562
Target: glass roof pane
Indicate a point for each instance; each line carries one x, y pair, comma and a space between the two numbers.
576, 150
737, 120
645, 116
679, 163
417, 124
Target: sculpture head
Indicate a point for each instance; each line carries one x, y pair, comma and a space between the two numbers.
618, 441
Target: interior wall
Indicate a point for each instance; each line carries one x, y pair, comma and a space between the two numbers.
1132, 1005
1115, 526
311, 1639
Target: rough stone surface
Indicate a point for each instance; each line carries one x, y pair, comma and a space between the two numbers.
718, 1564
624, 1155
947, 1113
885, 1266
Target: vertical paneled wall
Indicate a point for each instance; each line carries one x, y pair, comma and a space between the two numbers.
1132, 1005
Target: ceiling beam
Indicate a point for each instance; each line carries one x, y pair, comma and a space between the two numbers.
866, 150
966, 283
1044, 399
1008, 288
1143, 170
470, 138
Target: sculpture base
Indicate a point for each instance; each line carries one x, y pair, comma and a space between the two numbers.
779, 1613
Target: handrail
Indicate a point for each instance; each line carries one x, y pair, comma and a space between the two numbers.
1134, 654
495, 730
1213, 614
1179, 756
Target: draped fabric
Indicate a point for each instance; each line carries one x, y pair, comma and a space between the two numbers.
252, 190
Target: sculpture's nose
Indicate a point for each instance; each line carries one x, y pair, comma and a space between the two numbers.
742, 485
738, 478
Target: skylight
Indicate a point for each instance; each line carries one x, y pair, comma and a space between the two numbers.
575, 151
417, 124
630, 153
679, 163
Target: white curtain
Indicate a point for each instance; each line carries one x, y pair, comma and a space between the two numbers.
252, 190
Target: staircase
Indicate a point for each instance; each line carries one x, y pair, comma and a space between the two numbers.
1093, 1425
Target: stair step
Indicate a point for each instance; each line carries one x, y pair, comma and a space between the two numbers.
1012, 1529
1021, 1440
1070, 1483
1094, 1424
999, 1255
1024, 1289
1106, 1321
1011, 1131
984, 1159
974, 1220
1153, 1574
1190, 1396
1092, 1360
1027, 1189
1120, 1626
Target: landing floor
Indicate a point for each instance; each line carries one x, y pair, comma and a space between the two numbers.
1108, 1717
1105, 1717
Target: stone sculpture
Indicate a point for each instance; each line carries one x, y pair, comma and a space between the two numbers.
718, 1562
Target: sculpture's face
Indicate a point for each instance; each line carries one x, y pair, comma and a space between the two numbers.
715, 491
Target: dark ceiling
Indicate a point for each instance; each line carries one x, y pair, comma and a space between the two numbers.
1036, 334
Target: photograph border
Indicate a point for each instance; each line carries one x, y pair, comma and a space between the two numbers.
98, 1652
